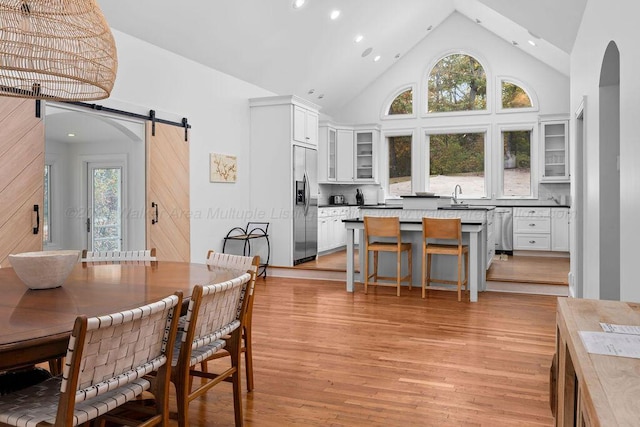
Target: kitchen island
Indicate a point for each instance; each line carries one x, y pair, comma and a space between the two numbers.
473, 234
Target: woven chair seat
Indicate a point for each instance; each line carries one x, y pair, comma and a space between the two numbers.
43, 401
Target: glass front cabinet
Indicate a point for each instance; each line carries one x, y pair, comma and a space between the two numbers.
555, 151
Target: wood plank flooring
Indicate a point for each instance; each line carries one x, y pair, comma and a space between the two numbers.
530, 269
324, 357
521, 269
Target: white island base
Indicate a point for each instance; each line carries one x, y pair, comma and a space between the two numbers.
473, 234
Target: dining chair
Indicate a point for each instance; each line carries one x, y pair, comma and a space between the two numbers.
213, 322
251, 265
446, 229
106, 367
110, 257
388, 228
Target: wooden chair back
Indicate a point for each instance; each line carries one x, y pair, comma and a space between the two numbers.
442, 228
375, 226
107, 363
215, 311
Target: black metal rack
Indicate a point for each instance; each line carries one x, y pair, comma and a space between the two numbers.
254, 230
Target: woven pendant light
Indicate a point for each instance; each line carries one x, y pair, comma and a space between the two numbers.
60, 50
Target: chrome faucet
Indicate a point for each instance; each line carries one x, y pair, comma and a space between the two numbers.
455, 193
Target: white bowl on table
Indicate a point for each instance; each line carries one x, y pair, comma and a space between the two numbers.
44, 269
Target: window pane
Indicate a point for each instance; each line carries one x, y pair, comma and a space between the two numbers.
403, 104
46, 206
513, 96
107, 207
400, 165
517, 163
457, 83
457, 158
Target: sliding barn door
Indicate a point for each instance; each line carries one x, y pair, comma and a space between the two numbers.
168, 222
21, 177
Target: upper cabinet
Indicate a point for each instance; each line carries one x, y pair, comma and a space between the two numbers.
347, 154
305, 125
555, 151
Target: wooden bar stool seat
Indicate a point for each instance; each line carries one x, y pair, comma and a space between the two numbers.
446, 229
385, 227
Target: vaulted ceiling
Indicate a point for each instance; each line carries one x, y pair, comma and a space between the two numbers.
295, 51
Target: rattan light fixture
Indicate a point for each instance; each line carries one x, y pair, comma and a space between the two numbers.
60, 50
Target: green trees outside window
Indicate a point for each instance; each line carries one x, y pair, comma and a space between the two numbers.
457, 83
513, 96
400, 165
457, 158
402, 104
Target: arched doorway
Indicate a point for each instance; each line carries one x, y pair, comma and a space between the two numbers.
609, 158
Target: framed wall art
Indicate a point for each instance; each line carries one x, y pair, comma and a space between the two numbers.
223, 168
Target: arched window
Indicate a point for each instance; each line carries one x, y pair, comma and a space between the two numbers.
513, 96
402, 104
457, 83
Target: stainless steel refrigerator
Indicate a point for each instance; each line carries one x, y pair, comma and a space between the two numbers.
305, 205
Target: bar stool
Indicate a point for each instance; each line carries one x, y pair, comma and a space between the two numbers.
384, 227
449, 229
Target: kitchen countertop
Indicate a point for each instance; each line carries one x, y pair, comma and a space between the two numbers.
471, 207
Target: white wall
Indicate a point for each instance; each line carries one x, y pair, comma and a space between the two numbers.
602, 22
216, 106
499, 58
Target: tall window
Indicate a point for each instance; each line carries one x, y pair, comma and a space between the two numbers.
46, 206
513, 96
400, 165
457, 158
402, 104
516, 166
457, 83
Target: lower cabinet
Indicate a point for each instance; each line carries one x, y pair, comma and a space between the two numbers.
332, 233
541, 229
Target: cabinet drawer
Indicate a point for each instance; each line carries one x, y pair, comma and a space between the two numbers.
532, 225
529, 212
535, 242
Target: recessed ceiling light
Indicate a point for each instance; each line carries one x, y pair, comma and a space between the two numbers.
367, 51
311, 91
532, 43
478, 21
321, 96
397, 56
376, 59
358, 38
71, 134
297, 4
515, 43
334, 14
430, 27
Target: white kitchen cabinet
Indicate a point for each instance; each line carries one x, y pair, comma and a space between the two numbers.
327, 154
532, 229
332, 233
347, 154
555, 151
344, 156
305, 125
365, 170
560, 229
272, 129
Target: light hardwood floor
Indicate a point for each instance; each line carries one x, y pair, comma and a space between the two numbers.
324, 357
521, 269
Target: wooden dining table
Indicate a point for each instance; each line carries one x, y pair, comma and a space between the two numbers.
35, 325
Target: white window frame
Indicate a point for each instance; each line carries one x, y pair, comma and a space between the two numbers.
384, 157
525, 126
425, 154
498, 94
